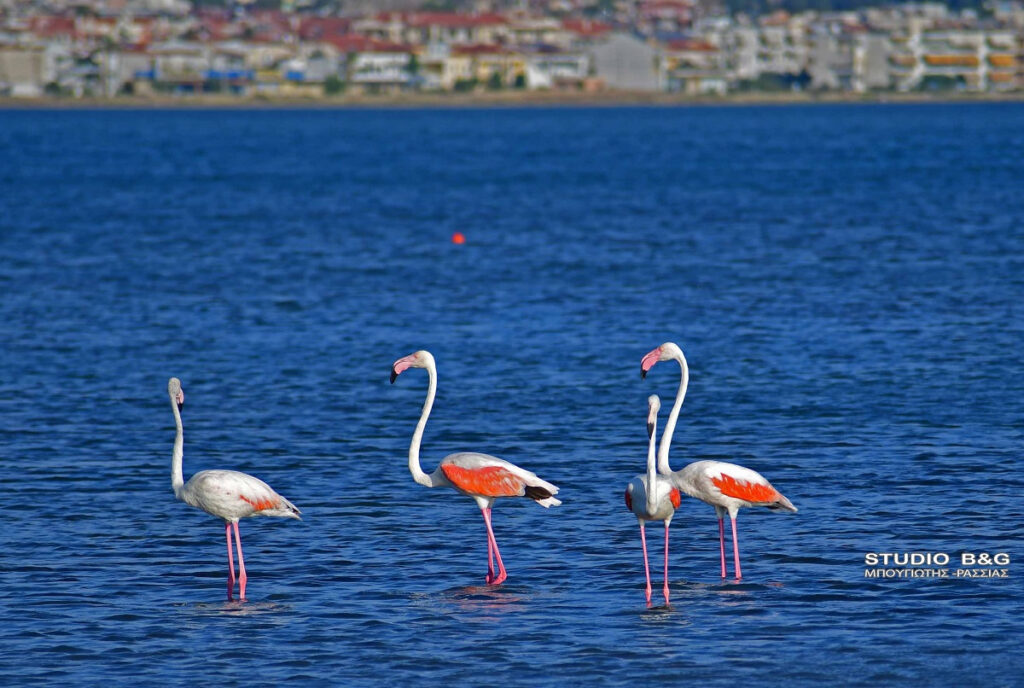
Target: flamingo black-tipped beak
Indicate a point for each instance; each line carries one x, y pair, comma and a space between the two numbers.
649, 361
650, 429
394, 375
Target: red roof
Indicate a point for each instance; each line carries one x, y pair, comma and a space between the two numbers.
479, 49
666, 8
217, 28
273, 17
586, 27
357, 43
777, 18
691, 45
318, 28
46, 26
452, 20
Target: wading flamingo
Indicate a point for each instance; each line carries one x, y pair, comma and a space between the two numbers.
480, 476
657, 504
725, 486
230, 495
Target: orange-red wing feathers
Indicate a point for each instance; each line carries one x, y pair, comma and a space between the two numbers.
261, 504
740, 489
675, 497
487, 481
629, 501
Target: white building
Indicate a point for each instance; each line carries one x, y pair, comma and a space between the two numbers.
625, 62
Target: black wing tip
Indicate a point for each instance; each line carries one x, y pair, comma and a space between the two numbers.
643, 374
538, 493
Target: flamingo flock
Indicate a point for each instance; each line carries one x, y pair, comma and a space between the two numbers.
651, 496
725, 486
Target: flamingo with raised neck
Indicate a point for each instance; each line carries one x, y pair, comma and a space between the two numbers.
483, 477
652, 497
725, 486
229, 495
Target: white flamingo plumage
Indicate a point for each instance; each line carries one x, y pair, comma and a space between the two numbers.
725, 486
229, 495
480, 476
652, 497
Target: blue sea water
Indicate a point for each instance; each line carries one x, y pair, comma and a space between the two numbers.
846, 281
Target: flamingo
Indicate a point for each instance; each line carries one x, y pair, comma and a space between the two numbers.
725, 486
659, 503
229, 495
480, 476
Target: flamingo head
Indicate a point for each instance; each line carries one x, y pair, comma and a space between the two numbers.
420, 359
653, 406
665, 352
175, 391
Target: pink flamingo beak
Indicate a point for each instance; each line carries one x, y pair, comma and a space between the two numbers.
181, 398
648, 361
402, 365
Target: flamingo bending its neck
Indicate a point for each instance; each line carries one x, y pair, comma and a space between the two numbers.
229, 495
652, 497
480, 476
725, 486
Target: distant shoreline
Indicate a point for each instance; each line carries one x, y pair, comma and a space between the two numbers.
498, 100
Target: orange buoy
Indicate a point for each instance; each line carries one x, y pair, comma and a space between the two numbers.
458, 238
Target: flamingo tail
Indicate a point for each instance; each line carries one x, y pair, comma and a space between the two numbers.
542, 495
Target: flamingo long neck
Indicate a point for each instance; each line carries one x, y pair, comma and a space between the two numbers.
414, 447
177, 481
670, 425
652, 474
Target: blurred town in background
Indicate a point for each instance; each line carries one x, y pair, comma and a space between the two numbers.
326, 49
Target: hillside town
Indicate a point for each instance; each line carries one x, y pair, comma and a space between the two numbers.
114, 48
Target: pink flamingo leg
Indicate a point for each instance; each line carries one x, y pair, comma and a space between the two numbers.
665, 590
647, 570
502, 574
721, 542
241, 565
736, 549
231, 561
490, 561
